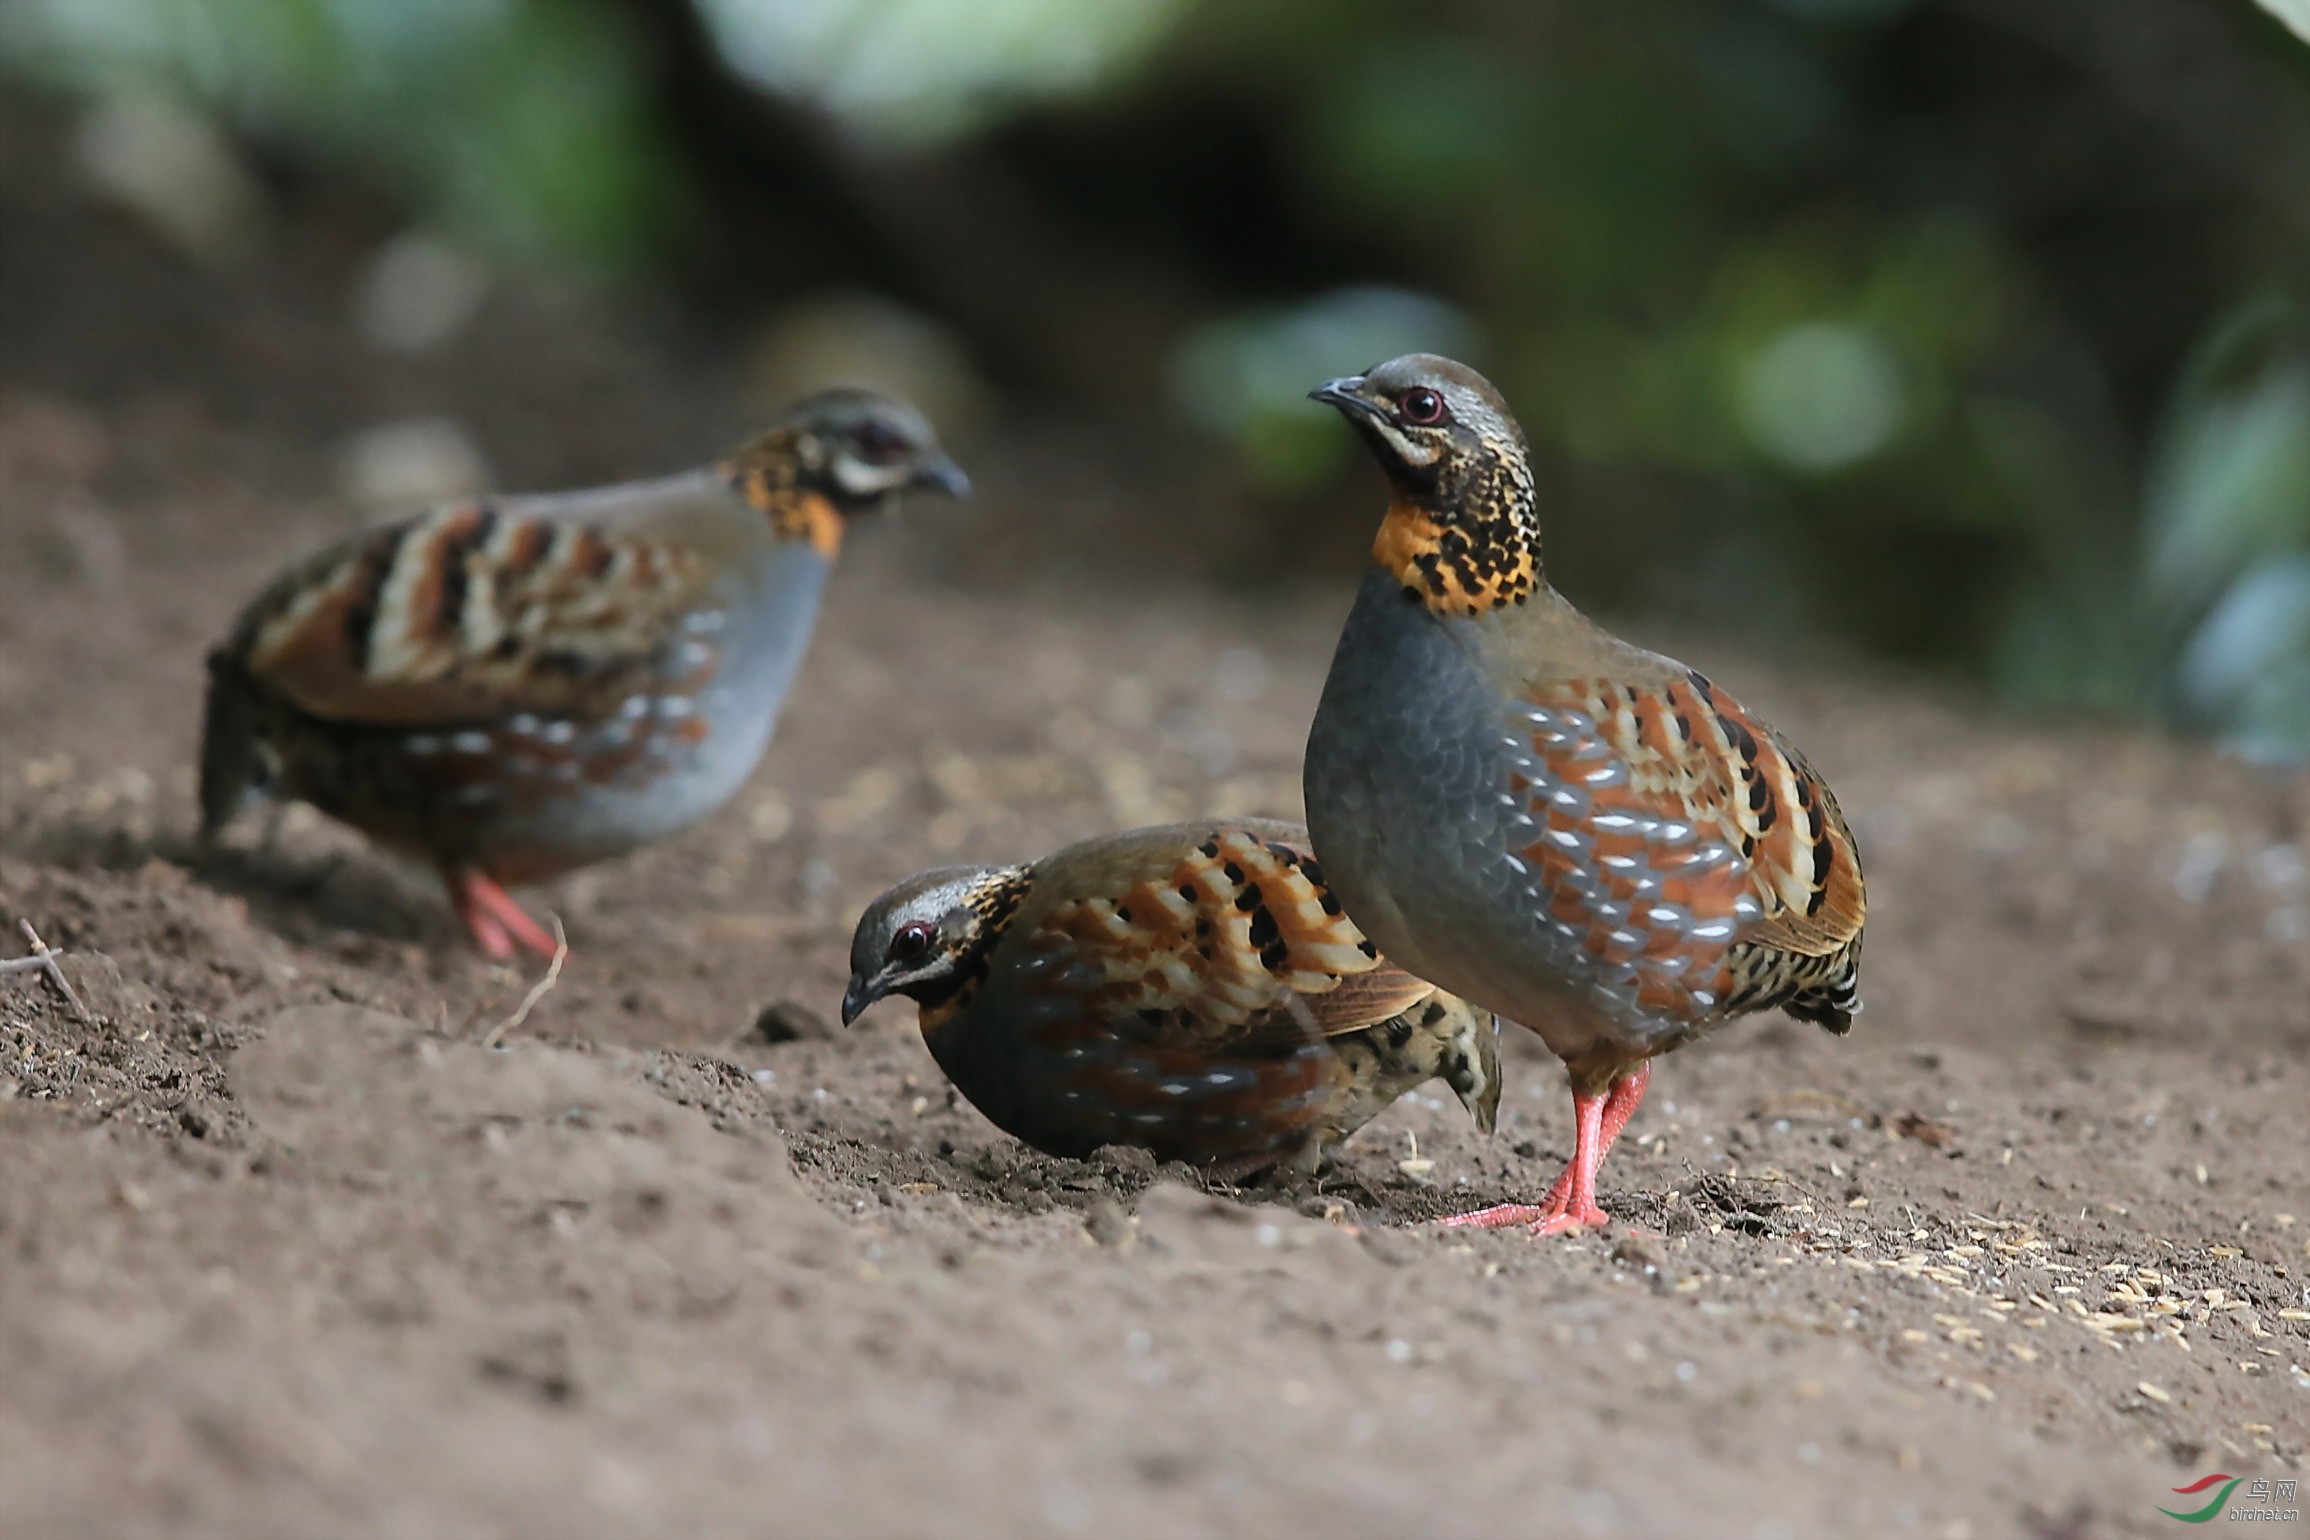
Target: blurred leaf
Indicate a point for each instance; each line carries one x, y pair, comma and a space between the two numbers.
2246, 660
518, 122
2294, 13
908, 71
2229, 478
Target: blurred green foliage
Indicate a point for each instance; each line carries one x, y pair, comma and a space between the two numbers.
905, 72
1728, 255
1942, 326
2226, 570
521, 123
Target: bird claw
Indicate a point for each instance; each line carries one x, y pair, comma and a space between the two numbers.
1571, 1223
1500, 1216
1556, 1218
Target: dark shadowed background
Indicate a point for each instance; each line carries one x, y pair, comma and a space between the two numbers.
1964, 334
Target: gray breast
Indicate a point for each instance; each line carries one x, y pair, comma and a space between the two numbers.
1404, 779
761, 627
1412, 814
770, 616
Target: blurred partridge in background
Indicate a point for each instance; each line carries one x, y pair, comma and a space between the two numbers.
509, 689
1193, 989
1588, 838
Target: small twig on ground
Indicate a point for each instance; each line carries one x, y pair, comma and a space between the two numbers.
537, 991
44, 958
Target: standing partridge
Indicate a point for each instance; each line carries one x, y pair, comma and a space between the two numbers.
1588, 838
512, 688
1193, 989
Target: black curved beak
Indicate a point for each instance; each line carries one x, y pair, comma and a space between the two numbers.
1346, 393
863, 992
940, 474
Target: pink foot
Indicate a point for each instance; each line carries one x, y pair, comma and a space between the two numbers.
490, 936
1500, 1216
494, 920
1571, 1204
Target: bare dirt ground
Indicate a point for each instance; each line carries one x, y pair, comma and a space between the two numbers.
285, 1251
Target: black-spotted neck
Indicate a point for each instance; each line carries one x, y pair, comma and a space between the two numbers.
992, 903
769, 475
1465, 538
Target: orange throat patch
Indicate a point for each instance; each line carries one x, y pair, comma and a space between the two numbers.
794, 513
932, 1017
1456, 569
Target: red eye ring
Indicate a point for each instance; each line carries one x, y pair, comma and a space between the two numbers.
1421, 407
912, 943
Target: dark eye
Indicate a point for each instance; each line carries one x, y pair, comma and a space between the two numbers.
1421, 407
878, 443
912, 943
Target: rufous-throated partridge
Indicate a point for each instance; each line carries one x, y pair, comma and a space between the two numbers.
1588, 838
1193, 989
512, 688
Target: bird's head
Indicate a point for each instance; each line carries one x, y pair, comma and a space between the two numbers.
838, 453
1462, 533
1434, 424
928, 937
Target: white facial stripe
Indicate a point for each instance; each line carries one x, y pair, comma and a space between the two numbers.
938, 967
860, 479
1411, 453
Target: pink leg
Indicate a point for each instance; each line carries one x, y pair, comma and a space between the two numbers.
494, 919
1571, 1203
487, 934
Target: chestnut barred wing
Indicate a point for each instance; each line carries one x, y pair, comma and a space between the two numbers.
475, 612
1684, 850
1233, 944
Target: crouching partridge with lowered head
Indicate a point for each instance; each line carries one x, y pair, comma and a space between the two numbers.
513, 688
1192, 989
1590, 839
